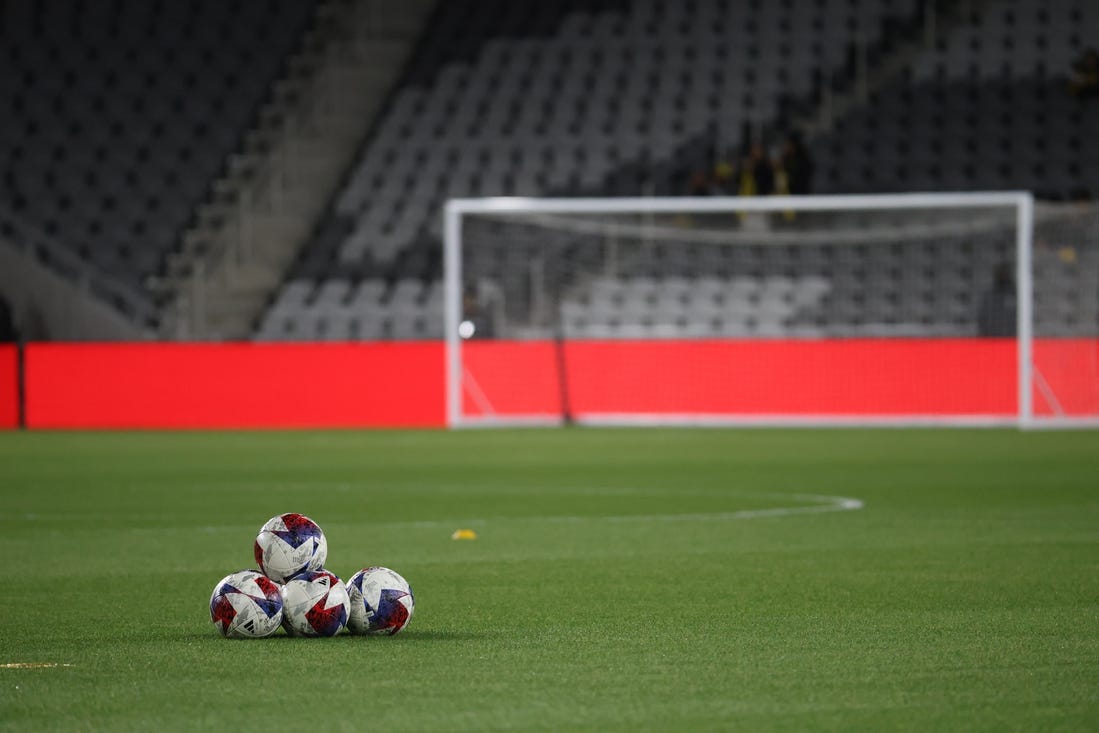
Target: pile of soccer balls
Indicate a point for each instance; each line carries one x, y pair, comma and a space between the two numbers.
293, 590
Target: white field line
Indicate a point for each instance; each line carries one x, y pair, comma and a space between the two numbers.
815, 504
34, 665
820, 504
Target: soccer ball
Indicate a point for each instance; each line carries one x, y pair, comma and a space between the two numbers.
315, 603
290, 544
246, 605
381, 602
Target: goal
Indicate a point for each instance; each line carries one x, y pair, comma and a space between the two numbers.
976, 309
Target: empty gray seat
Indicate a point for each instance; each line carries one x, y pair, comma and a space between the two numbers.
110, 111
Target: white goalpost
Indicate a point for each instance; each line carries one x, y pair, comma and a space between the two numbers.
863, 310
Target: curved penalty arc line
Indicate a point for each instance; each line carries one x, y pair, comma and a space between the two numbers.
817, 504
821, 504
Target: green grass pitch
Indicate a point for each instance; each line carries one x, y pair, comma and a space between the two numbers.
622, 580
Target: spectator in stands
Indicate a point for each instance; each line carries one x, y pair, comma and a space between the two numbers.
1085, 75
699, 184
722, 182
996, 313
757, 175
796, 165
8, 333
719, 182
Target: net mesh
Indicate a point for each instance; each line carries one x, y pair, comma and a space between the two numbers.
854, 313
1065, 266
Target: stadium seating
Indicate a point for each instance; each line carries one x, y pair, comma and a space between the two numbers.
608, 99
118, 116
706, 306
988, 107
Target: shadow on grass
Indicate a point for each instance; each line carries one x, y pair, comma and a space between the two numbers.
429, 635
411, 636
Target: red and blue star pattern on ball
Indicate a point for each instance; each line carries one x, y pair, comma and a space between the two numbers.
323, 620
326, 621
271, 603
223, 612
394, 605
289, 544
391, 615
299, 530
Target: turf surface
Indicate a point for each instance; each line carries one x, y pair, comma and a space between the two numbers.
622, 580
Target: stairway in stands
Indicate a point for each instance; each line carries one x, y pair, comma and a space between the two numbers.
248, 232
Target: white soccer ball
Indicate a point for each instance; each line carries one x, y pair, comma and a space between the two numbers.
381, 602
246, 605
315, 603
290, 544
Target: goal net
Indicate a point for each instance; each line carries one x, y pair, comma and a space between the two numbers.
912, 309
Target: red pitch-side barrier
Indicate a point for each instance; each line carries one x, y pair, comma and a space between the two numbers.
849, 377
9, 387
1069, 368
402, 384
842, 377
234, 385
